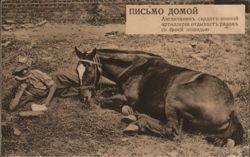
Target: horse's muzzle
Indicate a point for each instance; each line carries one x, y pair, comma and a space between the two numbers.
85, 94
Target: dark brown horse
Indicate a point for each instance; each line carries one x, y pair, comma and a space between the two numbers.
167, 93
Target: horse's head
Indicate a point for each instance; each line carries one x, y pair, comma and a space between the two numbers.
88, 70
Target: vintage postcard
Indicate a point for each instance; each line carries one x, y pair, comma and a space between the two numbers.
163, 78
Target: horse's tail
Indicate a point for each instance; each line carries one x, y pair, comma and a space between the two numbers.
234, 131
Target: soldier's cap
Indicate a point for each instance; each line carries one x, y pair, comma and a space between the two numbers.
19, 68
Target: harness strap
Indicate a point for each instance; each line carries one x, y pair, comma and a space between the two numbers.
134, 67
88, 87
90, 62
96, 62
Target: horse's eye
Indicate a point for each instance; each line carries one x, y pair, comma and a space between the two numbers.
87, 65
89, 69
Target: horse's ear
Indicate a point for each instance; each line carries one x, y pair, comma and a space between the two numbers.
79, 53
92, 54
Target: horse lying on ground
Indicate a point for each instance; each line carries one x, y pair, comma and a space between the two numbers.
168, 95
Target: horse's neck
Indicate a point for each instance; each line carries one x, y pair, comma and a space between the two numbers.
115, 63
114, 67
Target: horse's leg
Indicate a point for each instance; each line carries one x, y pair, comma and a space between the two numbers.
146, 124
174, 123
174, 120
117, 102
116, 97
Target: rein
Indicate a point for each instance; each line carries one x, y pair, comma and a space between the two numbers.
88, 87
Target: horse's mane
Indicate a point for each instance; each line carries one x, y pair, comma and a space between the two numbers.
116, 51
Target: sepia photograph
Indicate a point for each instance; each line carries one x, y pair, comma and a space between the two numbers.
125, 78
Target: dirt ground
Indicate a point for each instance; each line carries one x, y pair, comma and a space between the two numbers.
69, 128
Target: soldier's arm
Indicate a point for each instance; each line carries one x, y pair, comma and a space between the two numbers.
52, 88
15, 101
49, 82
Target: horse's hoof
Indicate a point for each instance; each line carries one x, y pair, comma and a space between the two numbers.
220, 142
177, 138
127, 110
170, 134
131, 128
128, 119
230, 143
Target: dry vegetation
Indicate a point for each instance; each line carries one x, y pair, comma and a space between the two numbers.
68, 128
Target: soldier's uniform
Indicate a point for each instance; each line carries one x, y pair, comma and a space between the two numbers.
34, 87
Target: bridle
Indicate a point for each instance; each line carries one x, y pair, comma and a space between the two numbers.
97, 65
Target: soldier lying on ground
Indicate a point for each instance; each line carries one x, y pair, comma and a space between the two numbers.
36, 86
